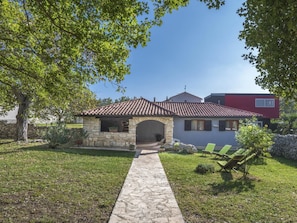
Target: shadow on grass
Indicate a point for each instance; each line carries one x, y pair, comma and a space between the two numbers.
285, 161
3, 142
231, 185
80, 151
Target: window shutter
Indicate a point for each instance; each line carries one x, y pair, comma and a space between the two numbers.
187, 125
222, 125
207, 125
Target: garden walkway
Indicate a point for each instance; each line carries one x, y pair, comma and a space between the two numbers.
146, 195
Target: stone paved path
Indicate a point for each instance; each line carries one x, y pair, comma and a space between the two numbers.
146, 195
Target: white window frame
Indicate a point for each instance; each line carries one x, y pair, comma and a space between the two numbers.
265, 103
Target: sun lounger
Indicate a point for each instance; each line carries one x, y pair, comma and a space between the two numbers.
237, 152
223, 151
209, 148
231, 163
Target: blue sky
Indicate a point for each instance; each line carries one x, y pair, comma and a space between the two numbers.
195, 47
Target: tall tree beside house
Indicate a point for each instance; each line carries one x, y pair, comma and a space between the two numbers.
104, 101
108, 101
287, 122
52, 48
270, 34
65, 112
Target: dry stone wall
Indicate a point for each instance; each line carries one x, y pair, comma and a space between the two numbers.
8, 131
285, 146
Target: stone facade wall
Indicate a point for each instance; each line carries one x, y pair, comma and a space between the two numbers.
167, 121
8, 131
285, 146
96, 138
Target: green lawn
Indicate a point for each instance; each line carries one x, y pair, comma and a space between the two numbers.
269, 195
69, 126
38, 184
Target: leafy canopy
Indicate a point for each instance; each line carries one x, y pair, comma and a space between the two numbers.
270, 34
287, 122
50, 48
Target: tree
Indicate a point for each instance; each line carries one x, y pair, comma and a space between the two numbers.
52, 48
270, 34
287, 122
66, 112
104, 101
108, 101
254, 138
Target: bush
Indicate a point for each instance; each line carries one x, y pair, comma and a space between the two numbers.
253, 137
78, 135
204, 168
58, 134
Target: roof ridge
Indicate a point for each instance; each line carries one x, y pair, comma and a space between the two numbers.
186, 93
180, 102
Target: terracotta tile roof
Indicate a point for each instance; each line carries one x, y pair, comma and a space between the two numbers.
205, 110
137, 107
143, 107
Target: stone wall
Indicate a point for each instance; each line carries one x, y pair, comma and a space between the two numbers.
8, 131
285, 146
96, 138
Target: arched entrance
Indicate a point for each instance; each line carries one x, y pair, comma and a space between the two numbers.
149, 131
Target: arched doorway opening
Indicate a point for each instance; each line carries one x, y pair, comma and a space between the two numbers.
149, 131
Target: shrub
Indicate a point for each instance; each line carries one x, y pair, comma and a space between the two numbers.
253, 137
204, 168
58, 134
77, 136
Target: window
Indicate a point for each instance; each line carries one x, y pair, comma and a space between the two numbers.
228, 125
114, 125
197, 125
264, 102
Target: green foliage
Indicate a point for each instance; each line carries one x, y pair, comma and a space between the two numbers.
78, 135
287, 122
57, 135
251, 136
270, 35
108, 101
205, 168
77, 102
51, 50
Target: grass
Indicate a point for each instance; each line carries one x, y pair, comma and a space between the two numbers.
38, 184
268, 195
69, 126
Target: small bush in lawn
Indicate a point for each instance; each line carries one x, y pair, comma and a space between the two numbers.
204, 168
57, 135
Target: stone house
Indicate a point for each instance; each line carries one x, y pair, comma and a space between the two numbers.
141, 121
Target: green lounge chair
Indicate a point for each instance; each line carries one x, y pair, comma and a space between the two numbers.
209, 148
231, 163
237, 152
242, 164
223, 151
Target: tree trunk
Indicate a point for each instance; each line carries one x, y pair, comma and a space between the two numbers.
22, 117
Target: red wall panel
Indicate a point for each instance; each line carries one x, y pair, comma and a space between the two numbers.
247, 102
